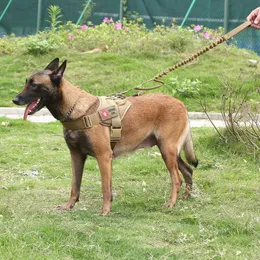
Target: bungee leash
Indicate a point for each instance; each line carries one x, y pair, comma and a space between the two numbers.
157, 78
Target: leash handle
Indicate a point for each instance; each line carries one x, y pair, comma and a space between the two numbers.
237, 30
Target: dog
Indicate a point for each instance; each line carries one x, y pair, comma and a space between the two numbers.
151, 119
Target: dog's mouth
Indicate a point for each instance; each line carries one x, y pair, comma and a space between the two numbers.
33, 107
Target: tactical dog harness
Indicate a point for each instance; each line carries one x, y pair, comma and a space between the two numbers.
110, 113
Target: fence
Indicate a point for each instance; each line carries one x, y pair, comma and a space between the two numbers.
27, 16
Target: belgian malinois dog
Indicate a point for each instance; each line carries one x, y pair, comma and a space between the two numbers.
152, 119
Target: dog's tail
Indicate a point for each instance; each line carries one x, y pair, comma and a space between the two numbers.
189, 149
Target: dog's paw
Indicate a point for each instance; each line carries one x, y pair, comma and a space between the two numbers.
186, 195
187, 192
64, 207
104, 212
169, 204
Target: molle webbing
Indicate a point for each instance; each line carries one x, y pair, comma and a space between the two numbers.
110, 113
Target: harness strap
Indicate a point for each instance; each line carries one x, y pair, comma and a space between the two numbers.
84, 122
110, 113
115, 122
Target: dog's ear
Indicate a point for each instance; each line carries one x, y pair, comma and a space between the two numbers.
53, 65
57, 74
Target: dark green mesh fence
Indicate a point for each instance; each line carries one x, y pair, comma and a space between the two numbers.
20, 17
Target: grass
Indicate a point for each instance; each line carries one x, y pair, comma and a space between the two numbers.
220, 221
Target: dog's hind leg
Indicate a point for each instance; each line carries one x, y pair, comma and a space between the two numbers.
186, 171
78, 160
169, 155
105, 167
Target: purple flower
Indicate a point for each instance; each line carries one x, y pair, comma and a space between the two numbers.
105, 20
206, 35
84, 27
197, 28
70, 36
118, 26
111, 20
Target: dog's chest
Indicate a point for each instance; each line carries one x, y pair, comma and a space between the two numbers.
80, 141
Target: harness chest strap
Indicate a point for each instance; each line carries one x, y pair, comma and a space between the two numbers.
110, 113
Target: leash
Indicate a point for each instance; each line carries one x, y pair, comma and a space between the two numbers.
156, 79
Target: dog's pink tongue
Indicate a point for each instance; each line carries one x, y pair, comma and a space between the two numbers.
28, 108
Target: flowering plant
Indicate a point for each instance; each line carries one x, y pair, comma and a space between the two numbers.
206, 33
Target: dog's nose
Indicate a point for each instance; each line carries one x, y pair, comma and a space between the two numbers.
16, 100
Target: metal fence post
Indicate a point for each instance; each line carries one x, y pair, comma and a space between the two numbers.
121, 11
188, 12
83, 12
39, 12
5, 10
226, 14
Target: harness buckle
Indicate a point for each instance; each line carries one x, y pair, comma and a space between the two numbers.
115, 134
87, 122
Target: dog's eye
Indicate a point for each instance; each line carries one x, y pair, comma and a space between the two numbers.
32, 84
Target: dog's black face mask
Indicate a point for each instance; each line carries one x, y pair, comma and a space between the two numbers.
41, 89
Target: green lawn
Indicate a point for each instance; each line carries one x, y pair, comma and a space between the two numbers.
220, 221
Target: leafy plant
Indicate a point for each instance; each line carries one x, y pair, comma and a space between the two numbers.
42, 43
130, 15
88, 12
54, 12
46, 41
186, 87
8, 45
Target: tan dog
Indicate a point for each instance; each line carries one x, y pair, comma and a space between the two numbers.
153, 119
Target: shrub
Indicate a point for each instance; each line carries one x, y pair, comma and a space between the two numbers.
240, 114
185, 88
42, 43
8, 45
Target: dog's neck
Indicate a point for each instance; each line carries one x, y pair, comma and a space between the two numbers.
73, 102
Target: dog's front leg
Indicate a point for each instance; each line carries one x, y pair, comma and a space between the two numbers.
78, 160
105, 167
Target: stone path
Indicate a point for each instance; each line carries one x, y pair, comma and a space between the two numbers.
197, 119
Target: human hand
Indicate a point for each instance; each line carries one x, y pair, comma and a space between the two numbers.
254, 17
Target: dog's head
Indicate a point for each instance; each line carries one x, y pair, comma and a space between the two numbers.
42, 88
